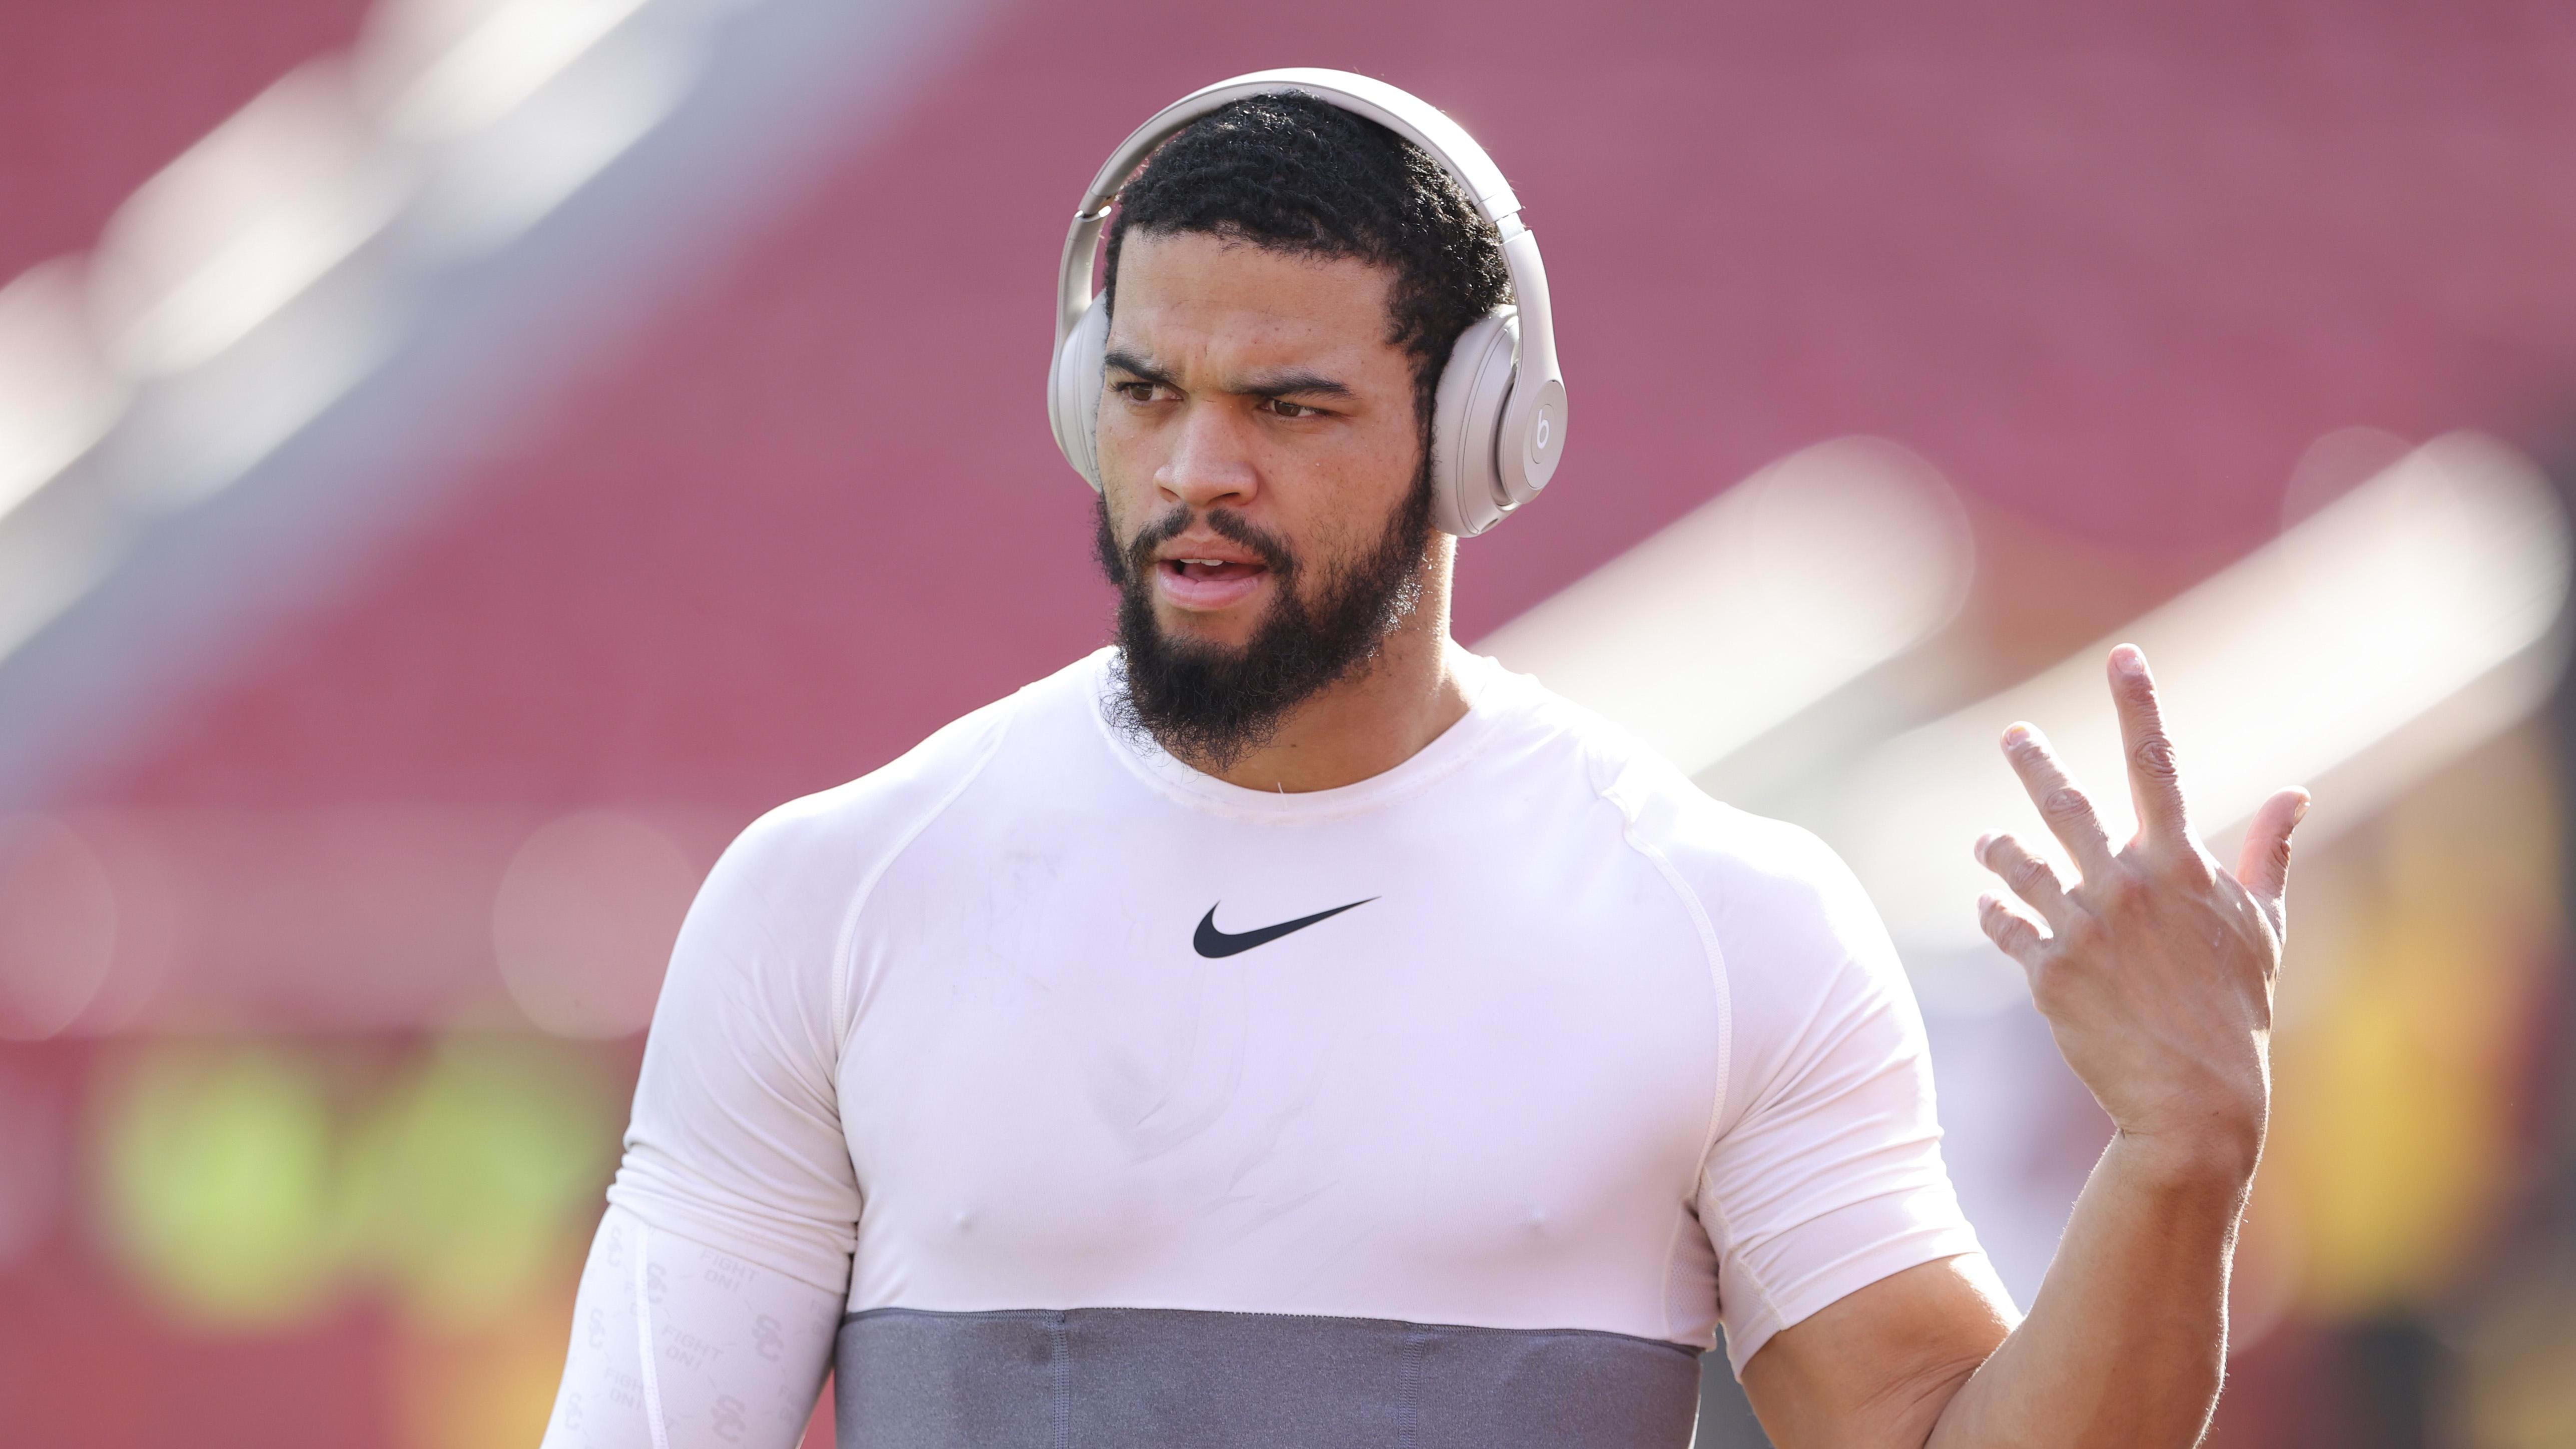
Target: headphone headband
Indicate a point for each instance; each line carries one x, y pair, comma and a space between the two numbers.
1407, 115
1512, 421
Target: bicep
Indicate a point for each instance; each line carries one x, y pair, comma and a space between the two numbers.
680, 1344
736, 1138
1829, 1178
1876, 1366
1833, 1181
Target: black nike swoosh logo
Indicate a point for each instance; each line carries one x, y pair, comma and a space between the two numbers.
1213, 943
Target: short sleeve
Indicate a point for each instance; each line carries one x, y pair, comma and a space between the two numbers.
1826, 1173
736, 1140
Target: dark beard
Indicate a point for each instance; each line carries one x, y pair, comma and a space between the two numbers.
1210, 704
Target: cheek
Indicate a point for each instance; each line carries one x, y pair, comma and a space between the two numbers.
1360, 491
1127, 461
1386, 457
1336, 538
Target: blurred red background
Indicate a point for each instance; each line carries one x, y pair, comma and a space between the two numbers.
766, 510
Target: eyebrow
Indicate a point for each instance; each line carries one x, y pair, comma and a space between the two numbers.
1136, 367
1291, 383
1284, 384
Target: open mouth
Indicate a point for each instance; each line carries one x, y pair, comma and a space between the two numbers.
1201, 584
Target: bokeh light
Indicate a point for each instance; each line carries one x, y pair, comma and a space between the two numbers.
215, 1172
585, 919
464, 1184
57, 926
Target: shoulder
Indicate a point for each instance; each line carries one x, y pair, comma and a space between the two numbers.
1769, 886
837, 834
1804, 966
1813, 994
1744, 870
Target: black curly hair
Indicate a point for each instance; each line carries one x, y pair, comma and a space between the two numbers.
1296, 174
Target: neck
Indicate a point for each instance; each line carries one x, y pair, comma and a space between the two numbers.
1402, 699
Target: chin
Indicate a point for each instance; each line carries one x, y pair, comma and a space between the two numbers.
1228, 629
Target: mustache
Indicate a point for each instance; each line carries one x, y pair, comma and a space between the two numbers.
1223, 522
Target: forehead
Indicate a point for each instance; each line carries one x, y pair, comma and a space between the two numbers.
1191, 299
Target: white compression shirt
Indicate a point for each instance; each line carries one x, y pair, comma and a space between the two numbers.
1526, 1034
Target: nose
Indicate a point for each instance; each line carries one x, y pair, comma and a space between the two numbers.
1210, 463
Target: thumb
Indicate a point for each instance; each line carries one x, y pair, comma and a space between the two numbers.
2263, 867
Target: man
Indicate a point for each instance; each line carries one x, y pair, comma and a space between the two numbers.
1286, 1028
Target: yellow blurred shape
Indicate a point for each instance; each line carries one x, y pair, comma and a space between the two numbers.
493, 1386
461, 1186
215, 1171
2519, 1355
2391, 1130
2528, 1401
2408, 1153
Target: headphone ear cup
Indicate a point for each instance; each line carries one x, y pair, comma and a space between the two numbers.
1467, 494
1073, 392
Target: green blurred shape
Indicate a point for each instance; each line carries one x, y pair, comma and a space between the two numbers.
465, 1186
215, 1174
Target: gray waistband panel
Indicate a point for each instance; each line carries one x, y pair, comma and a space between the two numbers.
1146, 1378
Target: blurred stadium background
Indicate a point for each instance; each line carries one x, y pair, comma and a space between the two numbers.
462, 459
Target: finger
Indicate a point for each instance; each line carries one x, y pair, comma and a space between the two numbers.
2153, 783
2263, 867
2029, 876
2069, 814
2015, 934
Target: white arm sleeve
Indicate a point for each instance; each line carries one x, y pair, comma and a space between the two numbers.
1827, 1175
714, 1289
676, 1345
736, 1140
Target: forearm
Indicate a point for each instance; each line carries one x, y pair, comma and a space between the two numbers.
2127, 1340
676, 1344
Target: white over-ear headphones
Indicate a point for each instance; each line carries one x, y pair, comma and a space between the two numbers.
1499, 423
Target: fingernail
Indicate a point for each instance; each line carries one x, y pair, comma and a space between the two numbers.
2129, 659
2018, 736
1979, 849
2299, 811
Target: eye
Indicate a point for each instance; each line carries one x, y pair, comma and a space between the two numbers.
1281, 407
1134, 391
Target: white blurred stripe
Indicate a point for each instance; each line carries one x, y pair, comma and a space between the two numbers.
57, 395
2399, 626
287, 341
501, 55
243, 222
1757, 604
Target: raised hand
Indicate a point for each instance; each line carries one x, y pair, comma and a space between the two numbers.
2155, 970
